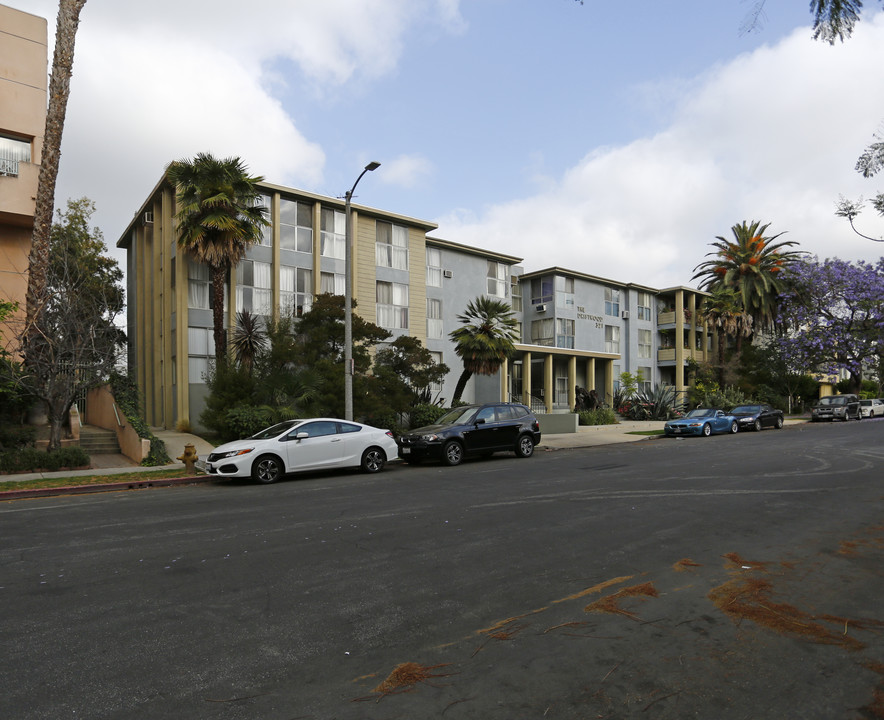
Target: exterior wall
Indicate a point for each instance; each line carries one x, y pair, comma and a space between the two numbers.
23, 98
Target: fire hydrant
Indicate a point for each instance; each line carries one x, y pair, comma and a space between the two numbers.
189, 458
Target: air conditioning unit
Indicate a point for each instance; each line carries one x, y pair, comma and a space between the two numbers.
148, 217
446, 273
625, 314
540, 308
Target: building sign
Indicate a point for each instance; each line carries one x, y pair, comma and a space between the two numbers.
597, 319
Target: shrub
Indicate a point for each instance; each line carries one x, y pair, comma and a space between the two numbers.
424, 414
128, 399
31, 459
244, 421
15, 436
599, 416
661, 403
389, 420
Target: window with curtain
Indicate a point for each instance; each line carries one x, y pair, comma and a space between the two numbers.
564, 292
391, 246
543, 332
263, 200
496, 279
434, 318
541, 290
392, 305
612, 302
643, 307
199, 283
515, 293
434, 267
644, 344
564, 333
12, 152
244, 286
201, 349
612, 339
333, 233
295, 291
647, 379
295, 225
331, 283
436, 388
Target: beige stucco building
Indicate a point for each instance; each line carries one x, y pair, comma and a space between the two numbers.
23, 101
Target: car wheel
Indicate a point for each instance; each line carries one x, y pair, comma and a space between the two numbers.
267, 469
452, 453
373, 460
779, 424
758, 425
735, 427
707, 430
525, 446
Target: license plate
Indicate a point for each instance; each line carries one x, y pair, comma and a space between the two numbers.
406, 451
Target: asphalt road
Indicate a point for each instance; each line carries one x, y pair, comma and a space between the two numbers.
724, 577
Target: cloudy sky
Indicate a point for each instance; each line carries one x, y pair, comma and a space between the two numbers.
612, 138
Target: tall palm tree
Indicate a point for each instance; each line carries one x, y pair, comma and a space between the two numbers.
217, 221
485, 340
751, 266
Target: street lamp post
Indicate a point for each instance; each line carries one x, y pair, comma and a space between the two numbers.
348, 297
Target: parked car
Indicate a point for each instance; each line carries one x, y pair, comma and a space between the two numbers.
299, 445
836, 407
702, 421
473, 430
756, 417
871, 408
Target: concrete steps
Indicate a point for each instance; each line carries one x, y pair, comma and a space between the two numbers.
97, 441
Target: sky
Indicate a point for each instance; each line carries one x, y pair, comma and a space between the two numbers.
617, 139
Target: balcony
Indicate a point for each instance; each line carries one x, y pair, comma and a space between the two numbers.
668, 355
8, 167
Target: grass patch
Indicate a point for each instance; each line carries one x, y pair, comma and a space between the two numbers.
77, 480
645, 432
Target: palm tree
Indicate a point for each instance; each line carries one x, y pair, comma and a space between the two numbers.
218, 220
249, 339
485, 340
724, 310
751, 266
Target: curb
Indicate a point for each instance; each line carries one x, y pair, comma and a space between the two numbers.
103, 487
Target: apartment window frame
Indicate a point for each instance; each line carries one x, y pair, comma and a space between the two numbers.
435, 328
496, 279
14, 150
564, 291
295, 290
645, 341
434, 267
295, 225
612, 302
565, 333
391, 245
333, 233
200, 353
612, 339
643, 306
542, 289
332, 283
543, 332
391, 309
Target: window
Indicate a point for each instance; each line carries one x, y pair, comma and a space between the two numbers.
263, 201
253, 291
199, 282
333, 234
644, 344
392, 305
434, 267
332, 283
295, 226
295, 291
541, 290
647, 379
436, 387
612, 339
434, 318
564, 333
564, 292
391, 246
515, 293
496, 279
612, 302
201, 347
542, 332
644, 306
12, 152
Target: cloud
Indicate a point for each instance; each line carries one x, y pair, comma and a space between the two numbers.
406, 171
772, 135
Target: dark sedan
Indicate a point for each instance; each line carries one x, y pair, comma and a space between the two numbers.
758, 417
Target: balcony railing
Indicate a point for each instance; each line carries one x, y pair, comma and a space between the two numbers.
8, 167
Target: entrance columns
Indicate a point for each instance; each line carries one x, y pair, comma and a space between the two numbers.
526, 378
504, 380
572, 382
550, 388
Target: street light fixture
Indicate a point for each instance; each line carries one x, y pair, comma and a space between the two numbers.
348, 297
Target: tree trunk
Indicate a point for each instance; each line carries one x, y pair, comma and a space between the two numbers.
59, 90
461, 385
219, 331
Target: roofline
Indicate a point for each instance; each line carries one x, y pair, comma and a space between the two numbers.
439, 242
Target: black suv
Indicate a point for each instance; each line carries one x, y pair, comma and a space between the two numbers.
836, 407
473, 429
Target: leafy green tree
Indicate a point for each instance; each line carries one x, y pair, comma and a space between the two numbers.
486, 338
751, 265
218, 220
76, 343
404, 370
724, 310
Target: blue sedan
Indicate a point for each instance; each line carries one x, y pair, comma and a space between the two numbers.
702, 421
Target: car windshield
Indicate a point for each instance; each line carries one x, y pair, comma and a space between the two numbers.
833, 400
700, 413
275, 430
746, 410
457, 416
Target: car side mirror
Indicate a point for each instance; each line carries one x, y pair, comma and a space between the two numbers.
480, 421
302, 435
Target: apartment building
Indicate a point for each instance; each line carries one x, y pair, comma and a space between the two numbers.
576, 329
23, 102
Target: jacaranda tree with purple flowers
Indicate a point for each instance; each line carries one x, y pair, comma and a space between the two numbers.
834, 316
